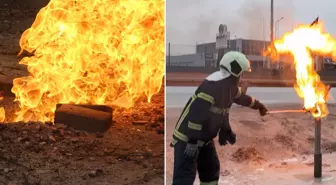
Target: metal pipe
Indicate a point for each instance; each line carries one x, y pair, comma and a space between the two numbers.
317, 153
272, 31
168, 53
272, 23
286, 111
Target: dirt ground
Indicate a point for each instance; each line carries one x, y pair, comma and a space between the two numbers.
129, 153
275, 149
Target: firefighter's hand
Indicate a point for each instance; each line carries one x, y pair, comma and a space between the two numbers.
225, 136
191, 151
231, 137
262, 110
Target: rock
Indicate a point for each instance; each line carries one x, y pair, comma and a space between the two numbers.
52, 139
142, 122
95, 173
225, 173
6, 170
24, 139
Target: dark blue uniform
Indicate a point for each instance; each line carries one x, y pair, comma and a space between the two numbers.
205, 114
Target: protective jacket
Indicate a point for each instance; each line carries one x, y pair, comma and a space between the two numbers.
207, 111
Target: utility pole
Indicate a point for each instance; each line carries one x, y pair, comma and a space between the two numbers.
272, 30
168, 53
272, 22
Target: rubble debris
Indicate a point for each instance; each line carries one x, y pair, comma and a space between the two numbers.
142, 122
95, 173
225, 173
285, 140
329, 147
246, 154
84, 118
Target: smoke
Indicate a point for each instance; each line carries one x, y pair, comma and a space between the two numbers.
256, 16
191, 21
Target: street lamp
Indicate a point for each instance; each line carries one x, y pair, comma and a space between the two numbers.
277, 26
276, 33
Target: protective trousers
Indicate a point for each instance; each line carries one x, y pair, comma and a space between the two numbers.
207, 164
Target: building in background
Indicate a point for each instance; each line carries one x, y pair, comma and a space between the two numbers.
190, 60
222, 42
252, 48
209, 54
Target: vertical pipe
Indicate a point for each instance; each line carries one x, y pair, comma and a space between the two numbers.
317, 153
272, 31
264, 41
168, 53
272, 22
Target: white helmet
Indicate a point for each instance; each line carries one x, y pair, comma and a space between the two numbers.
235, 63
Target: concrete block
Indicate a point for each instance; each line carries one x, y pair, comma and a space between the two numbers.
91, 118
103, 108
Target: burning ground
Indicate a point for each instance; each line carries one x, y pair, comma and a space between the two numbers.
131, 152
274, 148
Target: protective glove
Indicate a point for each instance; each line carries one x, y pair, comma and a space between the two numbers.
225, 136
222, 137
231, 137
262, 109
191, 151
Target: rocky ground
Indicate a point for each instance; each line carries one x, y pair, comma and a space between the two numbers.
131, 152
275, 149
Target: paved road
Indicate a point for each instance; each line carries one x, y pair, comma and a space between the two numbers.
176, 97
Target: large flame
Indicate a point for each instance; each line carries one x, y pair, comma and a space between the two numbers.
108, 52
302, 43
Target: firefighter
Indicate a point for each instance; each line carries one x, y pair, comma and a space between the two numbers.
205, 116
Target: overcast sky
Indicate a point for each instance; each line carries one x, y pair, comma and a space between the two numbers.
196, 21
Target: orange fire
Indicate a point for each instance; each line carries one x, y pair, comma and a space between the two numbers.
2, 110
91, 52
301, 43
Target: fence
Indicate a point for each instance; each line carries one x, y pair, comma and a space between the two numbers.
204, 58
187, 55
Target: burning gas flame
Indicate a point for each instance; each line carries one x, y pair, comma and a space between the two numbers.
91, 52
2, 109
301, 43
